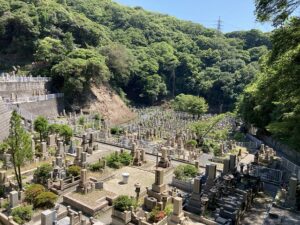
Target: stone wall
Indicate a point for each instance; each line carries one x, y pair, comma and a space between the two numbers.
23, 89
48, 108
5, 115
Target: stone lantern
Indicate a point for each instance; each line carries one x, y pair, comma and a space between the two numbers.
204, 202
137, 191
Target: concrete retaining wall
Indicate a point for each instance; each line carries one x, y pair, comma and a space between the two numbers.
5, 115
48, 108
23, 88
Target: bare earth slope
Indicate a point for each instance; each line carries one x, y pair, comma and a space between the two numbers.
110, 105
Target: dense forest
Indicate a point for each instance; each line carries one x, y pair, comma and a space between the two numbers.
272, 100
145, 57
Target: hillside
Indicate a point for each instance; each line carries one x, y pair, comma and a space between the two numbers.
147, 56
110, 105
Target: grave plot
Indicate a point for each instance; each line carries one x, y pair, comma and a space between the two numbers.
116, 185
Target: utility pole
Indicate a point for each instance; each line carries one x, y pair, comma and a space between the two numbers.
219, 24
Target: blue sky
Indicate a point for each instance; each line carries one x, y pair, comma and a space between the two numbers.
235, 14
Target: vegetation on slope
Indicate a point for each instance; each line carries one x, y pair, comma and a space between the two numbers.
272, 101
148, 56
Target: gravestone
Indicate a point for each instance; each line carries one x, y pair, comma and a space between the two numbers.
232, 164
226, 165
48, 217
13, 199
177, 216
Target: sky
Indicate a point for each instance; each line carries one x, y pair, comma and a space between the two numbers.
234, 14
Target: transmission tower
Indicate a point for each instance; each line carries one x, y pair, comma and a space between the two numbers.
219, 24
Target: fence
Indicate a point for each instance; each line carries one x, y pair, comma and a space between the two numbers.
267, 174
33, 98
8, 78
291, 167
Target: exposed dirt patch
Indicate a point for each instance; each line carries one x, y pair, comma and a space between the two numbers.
106, 101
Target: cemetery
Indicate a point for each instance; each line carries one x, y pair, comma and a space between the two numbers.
164, 167
111, 114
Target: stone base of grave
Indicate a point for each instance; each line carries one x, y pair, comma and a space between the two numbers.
194, 204
175, 220
158, 188
91, 203
164, 164
120, 218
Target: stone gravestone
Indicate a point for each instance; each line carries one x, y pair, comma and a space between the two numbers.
48, 217
194, 204
232, 164
44, 149
178, 216
226, 165
13, 199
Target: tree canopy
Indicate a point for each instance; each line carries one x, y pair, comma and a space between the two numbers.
190, 104
79, 42
272, 101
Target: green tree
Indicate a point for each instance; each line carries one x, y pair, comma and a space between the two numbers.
19, 142
40, 125
66, 132
275, 10
154, 88
120, 62
50, 50
42, 173
189, 103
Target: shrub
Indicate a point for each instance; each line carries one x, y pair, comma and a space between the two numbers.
238, 136
184, 172
33, 191
123, 203
168, 209
125, 158
97, 117
81, 120
96, 166
113, 161
156, 215
22, 214
118, 160
42, 173
116, 130
45, 199
191, 143
73, 171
